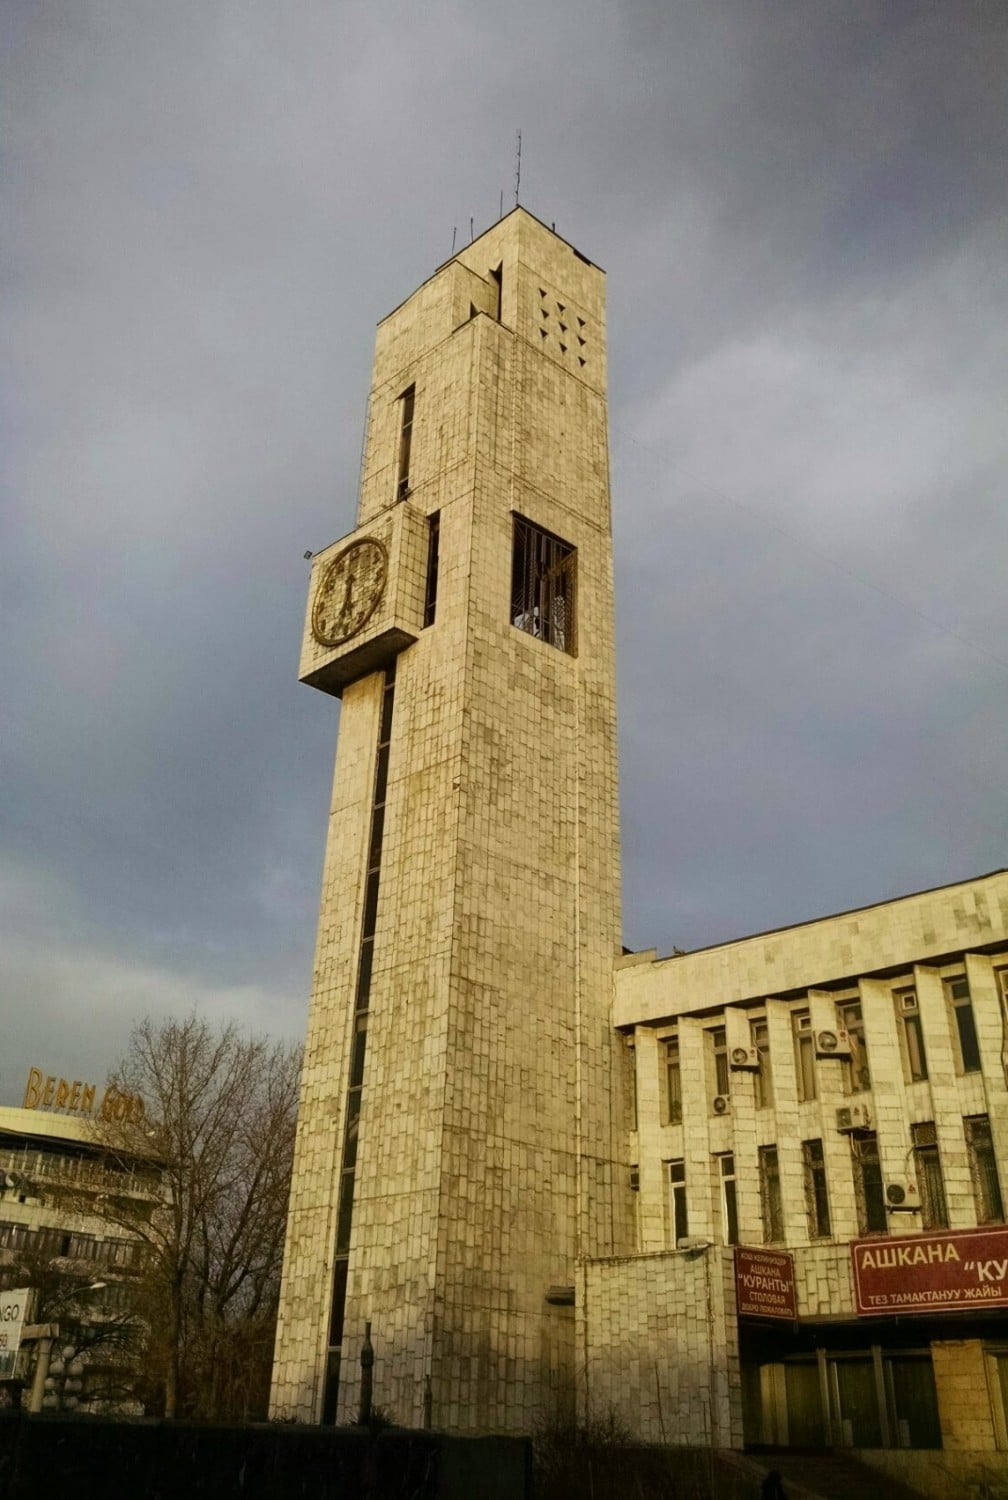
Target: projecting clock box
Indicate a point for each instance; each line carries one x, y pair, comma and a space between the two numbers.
366, 600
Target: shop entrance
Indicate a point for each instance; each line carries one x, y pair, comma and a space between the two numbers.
819, 1388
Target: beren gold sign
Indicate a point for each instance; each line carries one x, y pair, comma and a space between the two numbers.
46, 1091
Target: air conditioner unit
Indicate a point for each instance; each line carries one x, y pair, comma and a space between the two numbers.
853, 1117
744, 1057
830, 1043
901, 1198
721, 1104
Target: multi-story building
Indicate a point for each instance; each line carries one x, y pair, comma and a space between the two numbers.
821, 1123
475, 1179
60, 1237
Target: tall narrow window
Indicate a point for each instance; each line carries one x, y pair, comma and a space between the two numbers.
497, 276
433, 549
934, 1210
358, 1047
762, 1079
957, 991
983, 1170
868, 1191
908, 1015
729, 1204
542, 585
804, 1042
406, 403
770, 1195
857, 1077
816, 1195
677, 1190
673, 1083
719, 1053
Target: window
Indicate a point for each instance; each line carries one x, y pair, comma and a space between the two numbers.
542, 585
719, 1050
762, 1080
770, 1195
816, 1196
804, 1055
673, 1083
729, 1206
677, 1190
983, 1170
406, 403
908, 1016
934, 1211
957, 991
868, 1192
497, 276
433, 547
856, 1074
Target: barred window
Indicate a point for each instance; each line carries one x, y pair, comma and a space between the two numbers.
868, 1190
934, 1211
771, 1203
816, 1195
542, 585
983, 1170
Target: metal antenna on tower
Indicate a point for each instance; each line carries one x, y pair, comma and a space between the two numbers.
517, 168
454, 233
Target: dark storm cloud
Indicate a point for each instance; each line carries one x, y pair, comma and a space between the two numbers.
802, 212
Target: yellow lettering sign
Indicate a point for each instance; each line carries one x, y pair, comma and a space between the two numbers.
43, 1092
33, 1089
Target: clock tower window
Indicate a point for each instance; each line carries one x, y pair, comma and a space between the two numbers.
543, 574
406, 400
433, 548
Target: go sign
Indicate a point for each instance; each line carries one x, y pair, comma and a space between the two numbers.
12, 1315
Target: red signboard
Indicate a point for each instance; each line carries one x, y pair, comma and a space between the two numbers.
949, 1271
765, 1284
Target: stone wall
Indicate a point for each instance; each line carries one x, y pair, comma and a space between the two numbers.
658, 1346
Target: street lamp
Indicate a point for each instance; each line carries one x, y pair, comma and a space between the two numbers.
57, 1383
65, 1381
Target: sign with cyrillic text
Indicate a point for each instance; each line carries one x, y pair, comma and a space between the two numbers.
765, 1284
948, 1271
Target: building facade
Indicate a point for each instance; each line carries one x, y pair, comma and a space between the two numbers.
464, 1105
58, 1237
525, 1161
827, 1106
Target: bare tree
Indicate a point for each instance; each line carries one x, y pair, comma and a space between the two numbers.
219, 1112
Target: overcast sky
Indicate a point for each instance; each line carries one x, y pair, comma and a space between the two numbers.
801, 208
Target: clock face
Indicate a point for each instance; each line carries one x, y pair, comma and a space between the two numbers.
349, 592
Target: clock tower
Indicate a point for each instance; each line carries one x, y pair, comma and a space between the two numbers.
463, 1109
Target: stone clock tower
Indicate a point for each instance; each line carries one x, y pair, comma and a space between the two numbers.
463, 1115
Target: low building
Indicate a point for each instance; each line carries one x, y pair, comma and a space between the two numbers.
821, 1165
65, 1207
